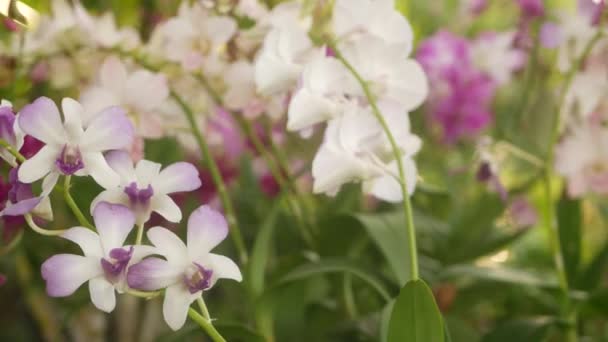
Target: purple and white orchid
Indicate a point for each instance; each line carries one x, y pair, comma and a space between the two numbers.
145, 188
70, 147
105, 261
9, 132
20, 200
188, 269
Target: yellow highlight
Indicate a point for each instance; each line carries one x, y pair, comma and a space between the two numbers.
20, 12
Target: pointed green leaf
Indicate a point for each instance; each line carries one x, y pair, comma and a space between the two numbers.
415, 316
569, 224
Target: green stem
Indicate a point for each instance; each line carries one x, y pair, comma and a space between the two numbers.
72, 204
407, 206
218, 180
206, 325
12, 151
12, 245
203, 307
39, 230
140, 234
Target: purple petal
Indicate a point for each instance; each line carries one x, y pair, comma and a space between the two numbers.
177, 177
550, 35
65, 273
41, 120
206, 229
114, 222
7, 122
22, 207
109, 130
152, 274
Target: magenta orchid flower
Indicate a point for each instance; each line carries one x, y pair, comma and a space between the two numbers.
188, 269
105, 261
71, 148
145, 188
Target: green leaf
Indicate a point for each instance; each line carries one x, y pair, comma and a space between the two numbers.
415, 316
522, 330
336, 265
500, 274
388, 232
569, 224
261, 251
590, 278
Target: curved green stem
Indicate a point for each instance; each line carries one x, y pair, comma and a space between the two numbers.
218, 180
39, 230
72, 204
206, 325
407, 206
20, 158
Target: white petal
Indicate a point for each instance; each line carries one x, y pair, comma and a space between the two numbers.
89, 241
121, 162
206, 229
169, 245
166, 207
39, 165
41, 120
114, 223
111, 196
49, 182
102, 294
110, 130
146, 172
64, 273
176, 177
72, 113
96, 165
176, 304
113, 73
225, 268
146, 91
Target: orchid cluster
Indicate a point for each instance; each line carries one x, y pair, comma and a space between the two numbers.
144, 133
79, 145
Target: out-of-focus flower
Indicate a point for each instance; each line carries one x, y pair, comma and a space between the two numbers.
105, 262
461, 93
195, 38
9, 132
72, 148
145, 188
281, 60
2, 279
550, 35
141, 93
581, 157
494, 54
476, 7
188, 269
532, 8
103, 31
356, 149
522, 213
592, 9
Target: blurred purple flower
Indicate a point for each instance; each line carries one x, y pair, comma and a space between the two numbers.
476, 7
2, 279
522, 213
532, 8
460, 93
592, 8
550, 35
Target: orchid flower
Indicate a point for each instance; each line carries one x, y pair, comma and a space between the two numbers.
72, 149
140, 92
356, 149
20, 200
9, 132
105, 262
188, 269
145, 188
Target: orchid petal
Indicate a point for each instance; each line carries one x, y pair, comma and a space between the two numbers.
65, 273
102, 294
89, 241
166, 207
39, 165
41, 120
169, 245
206, 229
109, 130
114, 223
153, 274
177, 177
176, 304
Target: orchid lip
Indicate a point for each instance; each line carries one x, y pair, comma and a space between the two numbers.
197, 278
139, 198
117, 263
69, 161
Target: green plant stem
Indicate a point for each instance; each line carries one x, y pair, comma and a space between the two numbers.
218, 180
206, 325
20, 158
140, 234
12, 245
72, 204
39, 230
407, 205
279, 172
203, 307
